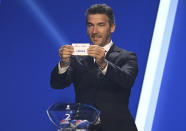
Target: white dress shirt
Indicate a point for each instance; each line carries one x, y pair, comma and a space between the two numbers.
104, 71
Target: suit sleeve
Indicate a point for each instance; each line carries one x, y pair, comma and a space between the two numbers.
123, 71
60, 81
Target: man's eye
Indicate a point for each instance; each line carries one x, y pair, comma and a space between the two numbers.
89, 25
101, 24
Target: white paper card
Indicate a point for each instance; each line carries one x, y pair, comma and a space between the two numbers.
80, 48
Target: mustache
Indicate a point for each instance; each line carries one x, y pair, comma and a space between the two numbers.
96, 36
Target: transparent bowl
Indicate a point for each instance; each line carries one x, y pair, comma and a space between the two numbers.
76, 116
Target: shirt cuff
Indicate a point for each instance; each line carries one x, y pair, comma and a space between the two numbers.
62, 70
104, 71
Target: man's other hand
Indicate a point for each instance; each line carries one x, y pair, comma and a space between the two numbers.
98, 53
65, 53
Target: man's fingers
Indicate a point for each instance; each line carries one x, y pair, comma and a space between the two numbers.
65, 53
94, 53
68, 47
96, 48
98, 52
97, 55
66, 50
65, 56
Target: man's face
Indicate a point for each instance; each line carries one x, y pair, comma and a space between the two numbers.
98, 29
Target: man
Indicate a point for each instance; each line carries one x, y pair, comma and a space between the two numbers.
103, 78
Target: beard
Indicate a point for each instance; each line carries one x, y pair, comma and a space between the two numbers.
102, 40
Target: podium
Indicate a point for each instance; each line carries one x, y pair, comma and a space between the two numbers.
73, 117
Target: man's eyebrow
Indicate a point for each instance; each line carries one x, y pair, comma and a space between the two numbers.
97, 23
101, 23
89, 23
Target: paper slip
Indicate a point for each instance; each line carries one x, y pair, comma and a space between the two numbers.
80, 48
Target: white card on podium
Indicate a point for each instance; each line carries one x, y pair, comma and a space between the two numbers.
80, 48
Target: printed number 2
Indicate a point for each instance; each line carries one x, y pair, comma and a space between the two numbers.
68, 117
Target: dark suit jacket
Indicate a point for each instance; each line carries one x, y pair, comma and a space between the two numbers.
109, 93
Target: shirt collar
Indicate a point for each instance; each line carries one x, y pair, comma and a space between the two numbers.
107, 46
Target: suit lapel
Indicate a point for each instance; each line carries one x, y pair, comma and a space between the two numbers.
113, 50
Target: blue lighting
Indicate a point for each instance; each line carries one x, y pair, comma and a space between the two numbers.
46, 23
156, 63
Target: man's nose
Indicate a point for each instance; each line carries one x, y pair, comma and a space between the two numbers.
95, 30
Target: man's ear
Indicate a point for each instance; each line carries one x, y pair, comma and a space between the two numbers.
112, 29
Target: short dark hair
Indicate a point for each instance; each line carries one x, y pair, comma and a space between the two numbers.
101, 9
